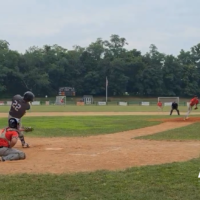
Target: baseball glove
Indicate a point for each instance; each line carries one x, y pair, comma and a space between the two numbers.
196, 108
27, 129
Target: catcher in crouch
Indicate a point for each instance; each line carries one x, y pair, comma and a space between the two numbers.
193, 102
8, 139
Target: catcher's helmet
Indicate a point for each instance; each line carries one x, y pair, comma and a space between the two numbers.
29, 96
13, 122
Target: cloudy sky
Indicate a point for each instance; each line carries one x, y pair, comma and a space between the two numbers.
171, 25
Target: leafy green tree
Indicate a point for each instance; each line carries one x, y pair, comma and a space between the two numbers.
172, 75
44, 70
190, 73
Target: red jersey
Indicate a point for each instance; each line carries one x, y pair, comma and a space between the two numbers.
194, 102
159, 104
9, 135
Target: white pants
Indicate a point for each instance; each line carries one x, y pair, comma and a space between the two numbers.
160, 108
189, 110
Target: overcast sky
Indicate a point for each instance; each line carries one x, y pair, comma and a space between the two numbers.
171, 25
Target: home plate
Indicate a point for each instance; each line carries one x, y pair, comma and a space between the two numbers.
52, 149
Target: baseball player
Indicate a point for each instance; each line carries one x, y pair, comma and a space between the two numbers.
18, 110
8, 139
159, 104
193, 102
174, 107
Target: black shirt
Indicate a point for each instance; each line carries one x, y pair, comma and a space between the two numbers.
174, 105
18, 107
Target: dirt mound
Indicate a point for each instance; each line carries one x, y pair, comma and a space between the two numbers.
181, 119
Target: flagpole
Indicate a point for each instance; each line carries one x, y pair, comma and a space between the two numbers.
106, 89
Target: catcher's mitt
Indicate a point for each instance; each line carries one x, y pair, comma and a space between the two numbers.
27, 129
196, 108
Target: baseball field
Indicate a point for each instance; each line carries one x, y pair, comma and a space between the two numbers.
105, 152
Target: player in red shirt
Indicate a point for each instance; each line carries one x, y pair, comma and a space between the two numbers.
8, 139
159, 104
193, 102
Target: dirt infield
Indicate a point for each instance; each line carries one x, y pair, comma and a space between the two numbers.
181, 119
110, 152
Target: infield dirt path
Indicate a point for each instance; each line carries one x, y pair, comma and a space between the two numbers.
111, 152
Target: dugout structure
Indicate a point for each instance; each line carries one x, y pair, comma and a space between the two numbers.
88, 99
167, 101
60, 100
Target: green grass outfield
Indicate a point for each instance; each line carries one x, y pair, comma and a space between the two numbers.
176, 181
92, 108
190, 132
83, 126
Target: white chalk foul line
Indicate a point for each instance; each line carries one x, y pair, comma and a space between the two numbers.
94, 154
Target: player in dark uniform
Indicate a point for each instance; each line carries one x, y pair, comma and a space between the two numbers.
18, 110
174, 107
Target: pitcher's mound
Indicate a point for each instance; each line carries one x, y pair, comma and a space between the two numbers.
181, 119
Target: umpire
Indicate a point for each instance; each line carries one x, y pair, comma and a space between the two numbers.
175, 107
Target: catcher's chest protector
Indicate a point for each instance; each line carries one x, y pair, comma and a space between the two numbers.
3, 135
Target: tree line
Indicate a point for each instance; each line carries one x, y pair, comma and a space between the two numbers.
44, 70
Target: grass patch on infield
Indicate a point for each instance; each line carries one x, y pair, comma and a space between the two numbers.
82, 125
167, 182
189, 132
